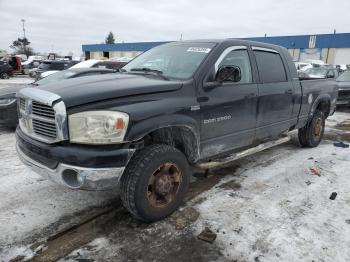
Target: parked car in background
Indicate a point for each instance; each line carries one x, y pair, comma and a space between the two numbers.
8, 102
16, 63
315, 62
5, 70
319, 73
121, 59
72, 73
301, 65
32, 62
312, 64
94, 63
32, 72
341, 68
52, 66
344, 88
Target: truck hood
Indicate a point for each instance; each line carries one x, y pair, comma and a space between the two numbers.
83, 90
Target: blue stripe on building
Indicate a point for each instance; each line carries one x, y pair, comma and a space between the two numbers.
122, 47
291, 42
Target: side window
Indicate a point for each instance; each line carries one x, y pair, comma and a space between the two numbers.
57, 66
270, 66
330, 73
239, 58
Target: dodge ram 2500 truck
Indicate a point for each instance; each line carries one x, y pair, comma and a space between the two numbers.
176, 105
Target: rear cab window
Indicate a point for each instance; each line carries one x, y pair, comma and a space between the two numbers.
270, 65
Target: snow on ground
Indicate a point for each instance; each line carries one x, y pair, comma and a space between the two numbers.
30, 205
17, 80
274, 210
282, 212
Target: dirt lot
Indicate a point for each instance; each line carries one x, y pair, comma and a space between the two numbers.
272, 206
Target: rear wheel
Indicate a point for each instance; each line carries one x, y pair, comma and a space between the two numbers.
311, 134
155, 182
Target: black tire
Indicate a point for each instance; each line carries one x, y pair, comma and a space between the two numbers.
4, 75
146, 165
311, 134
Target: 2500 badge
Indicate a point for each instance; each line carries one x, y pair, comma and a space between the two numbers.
216, 120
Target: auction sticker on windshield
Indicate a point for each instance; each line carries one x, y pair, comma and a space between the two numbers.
198, 49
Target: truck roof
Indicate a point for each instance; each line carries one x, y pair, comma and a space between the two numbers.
233, 41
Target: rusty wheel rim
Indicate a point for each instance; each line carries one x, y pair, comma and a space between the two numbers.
164, 184
318, 128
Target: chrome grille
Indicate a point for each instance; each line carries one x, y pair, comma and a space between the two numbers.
43, 120
22, 104
42, 115
44, 128
42, 110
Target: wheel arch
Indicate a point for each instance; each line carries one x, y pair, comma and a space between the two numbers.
179, 131
322, 103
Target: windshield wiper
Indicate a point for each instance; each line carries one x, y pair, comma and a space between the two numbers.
147, 70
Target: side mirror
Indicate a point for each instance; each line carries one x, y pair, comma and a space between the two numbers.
330, 76
228, 74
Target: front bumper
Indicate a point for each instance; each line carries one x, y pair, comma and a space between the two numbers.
343, 97
88, 168
343, 102
76, 177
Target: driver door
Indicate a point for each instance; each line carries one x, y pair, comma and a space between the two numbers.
228, 111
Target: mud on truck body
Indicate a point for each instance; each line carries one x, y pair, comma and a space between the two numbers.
176, 105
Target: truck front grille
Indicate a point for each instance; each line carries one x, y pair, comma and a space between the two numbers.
43, 120
22, 104
42, 115
42, 110
44, 128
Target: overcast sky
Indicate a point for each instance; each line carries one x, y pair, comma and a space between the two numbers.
64, 25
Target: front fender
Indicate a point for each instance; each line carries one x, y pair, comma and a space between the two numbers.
140, 129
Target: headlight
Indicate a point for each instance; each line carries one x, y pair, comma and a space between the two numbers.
7, 101
97, 127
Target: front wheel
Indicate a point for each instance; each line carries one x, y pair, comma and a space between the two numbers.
155, 182
311, 134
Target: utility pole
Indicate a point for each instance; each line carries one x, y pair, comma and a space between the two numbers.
24, 35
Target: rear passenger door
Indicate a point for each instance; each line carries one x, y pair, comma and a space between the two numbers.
275, 102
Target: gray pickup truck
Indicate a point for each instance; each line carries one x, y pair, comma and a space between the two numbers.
178, 104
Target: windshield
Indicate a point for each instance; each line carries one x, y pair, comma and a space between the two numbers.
344, 77
56, 77
317, 72
173, 61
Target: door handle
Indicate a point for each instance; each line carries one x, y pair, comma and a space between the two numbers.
289, 92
